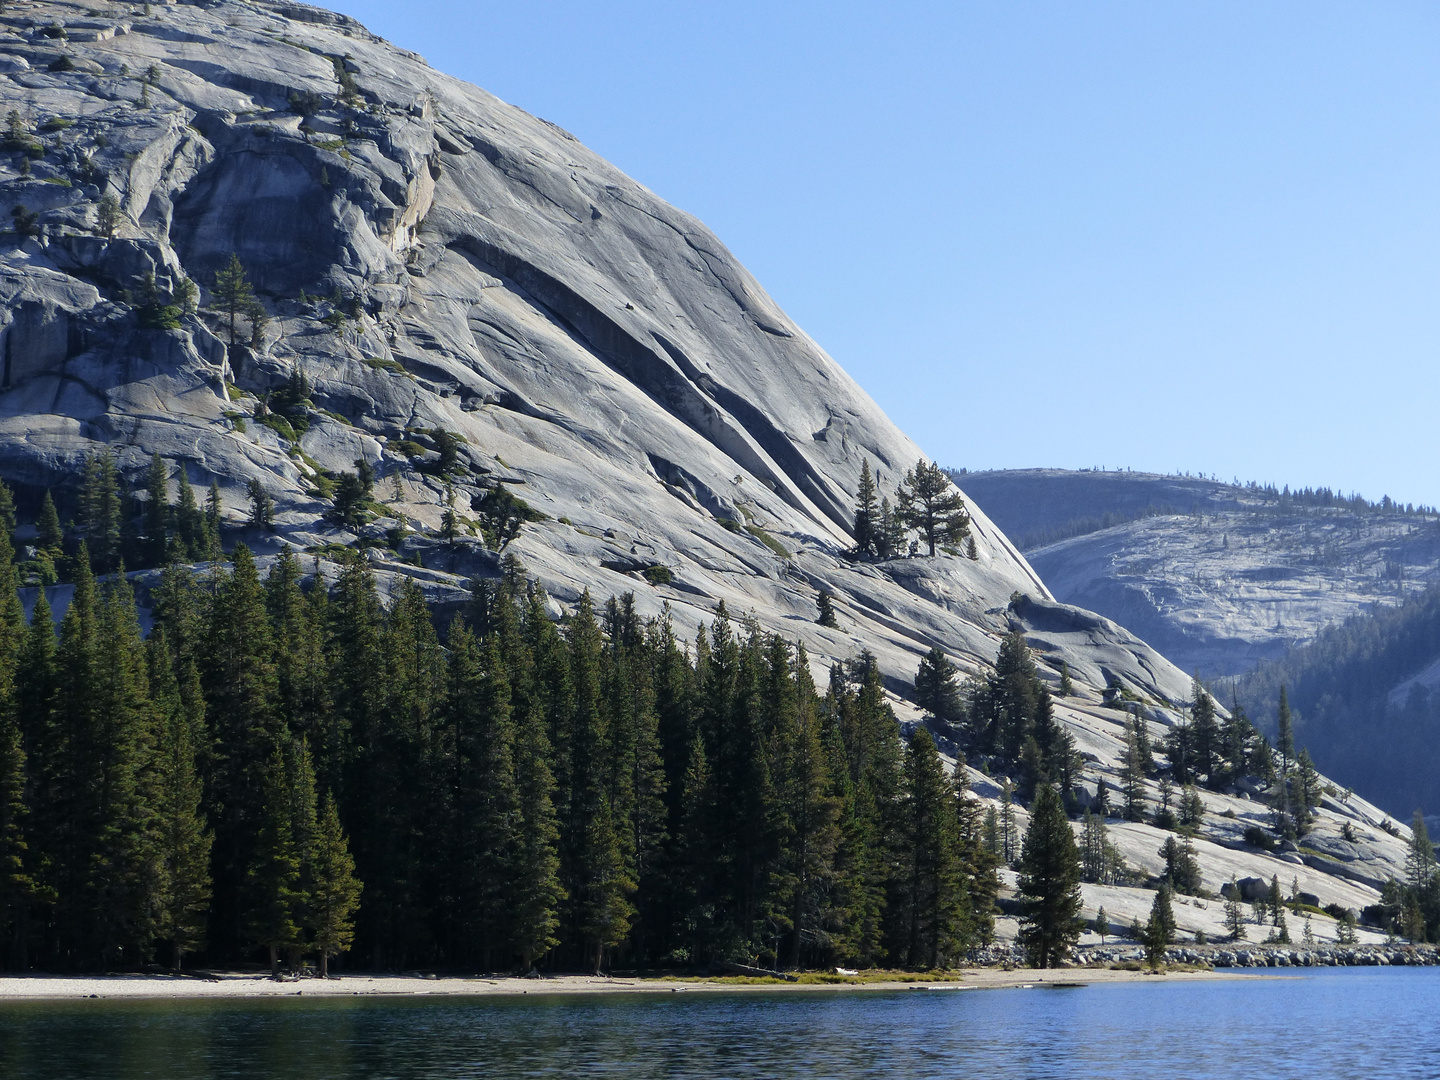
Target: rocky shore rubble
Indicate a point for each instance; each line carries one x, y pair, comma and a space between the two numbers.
1239, 955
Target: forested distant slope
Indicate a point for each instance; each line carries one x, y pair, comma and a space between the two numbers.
1367, 699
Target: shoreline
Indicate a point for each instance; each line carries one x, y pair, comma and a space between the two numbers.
234, 985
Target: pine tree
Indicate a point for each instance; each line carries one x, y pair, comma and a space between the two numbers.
157, 512
7, 512
1102, 923
1093, 848
1192, 808
1281, 934
298, 644
90, 725
1204, 734
100, 513
51, 536
213, 509
1049, 885
190, 538
936, 687
890, 539
35, 679
12, 621
1286, 739
107, 216
382, 760
1182, 871
933, 892
1419, 857
304, 829
693, 858
486, 796
182, 839
238, 672
1237, 735
930, 504
992, 832
357, 666
188, 294
1160, 928
233, 292
262, 506
17, 887
335, 893
537, 894
1142, 743
259, 323
275, 900
869, 736
1132, 772
1067, 688
805, 813
125, 731
1009, 840
1307, 790
599, 883
826, 609
637, 774
1234, 912
867, 519
979, 863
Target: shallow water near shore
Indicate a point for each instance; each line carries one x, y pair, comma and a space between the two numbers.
1326, 1023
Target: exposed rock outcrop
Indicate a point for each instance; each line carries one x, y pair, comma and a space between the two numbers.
431, 257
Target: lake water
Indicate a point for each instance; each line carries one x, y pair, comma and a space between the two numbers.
1321, 1025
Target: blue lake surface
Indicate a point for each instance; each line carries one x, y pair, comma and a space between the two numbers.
1319, 1025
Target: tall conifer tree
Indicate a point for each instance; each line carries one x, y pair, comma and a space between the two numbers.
191, 542
599, 882
241, 693
124, 724
157, 512
805, 810
16, 885
275, 902
181, 836
538, 894
932, 886
1049, 888
486, 796
867, 513
336, 891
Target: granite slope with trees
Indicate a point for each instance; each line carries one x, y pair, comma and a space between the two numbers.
276, 286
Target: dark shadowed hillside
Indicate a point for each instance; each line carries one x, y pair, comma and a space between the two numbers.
1367, 700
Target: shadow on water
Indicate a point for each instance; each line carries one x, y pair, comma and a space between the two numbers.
1340, 1024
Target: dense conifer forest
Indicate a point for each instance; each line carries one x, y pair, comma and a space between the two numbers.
283, 774
1340, 687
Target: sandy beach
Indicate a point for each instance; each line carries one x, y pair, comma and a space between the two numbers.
238, 985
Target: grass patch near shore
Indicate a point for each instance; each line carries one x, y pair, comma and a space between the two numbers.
1140, 965
820, 978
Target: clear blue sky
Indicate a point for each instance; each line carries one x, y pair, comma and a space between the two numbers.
1200, 236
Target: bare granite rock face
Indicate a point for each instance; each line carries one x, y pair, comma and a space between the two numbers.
429, 257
